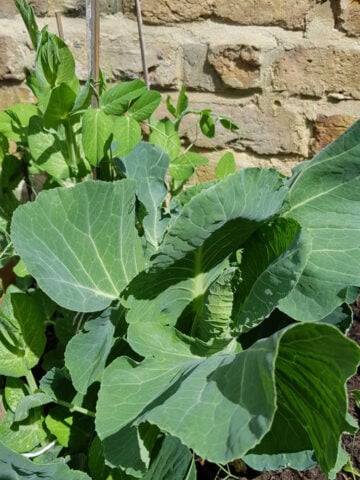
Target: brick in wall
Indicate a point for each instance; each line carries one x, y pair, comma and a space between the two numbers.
14, 55
198, 73
238, 66
316, 71
290, 14
77, 8
11, 94
328, 128
349, 16
262, 123
171, 11
8, 9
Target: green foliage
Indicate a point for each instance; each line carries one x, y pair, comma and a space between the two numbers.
151, 323
225, 260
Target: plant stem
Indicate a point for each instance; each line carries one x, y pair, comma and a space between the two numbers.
71, 143
40, 452
74, 408
31, 381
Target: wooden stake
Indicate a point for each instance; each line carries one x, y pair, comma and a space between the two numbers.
93, 55
142, 43
59, 25
93, 43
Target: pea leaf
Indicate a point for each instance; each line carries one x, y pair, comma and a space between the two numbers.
226, 165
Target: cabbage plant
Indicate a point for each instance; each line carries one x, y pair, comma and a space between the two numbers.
212, 323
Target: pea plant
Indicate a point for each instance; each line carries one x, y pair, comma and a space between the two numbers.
150, 324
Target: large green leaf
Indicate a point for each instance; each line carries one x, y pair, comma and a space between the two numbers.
22, 436
214, 322
173, 462
29, 402
72, 430
222, 217
210, 227
15, 466
22, 336
324, 198
249, 397
181, 398
147, 165
312, 410
273, 260
81, 244
86, 353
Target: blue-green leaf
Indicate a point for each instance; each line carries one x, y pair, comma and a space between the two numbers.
15, 466
210, 227
86, 353
81, 244
249, 397
324, 198
147, 166
22, 334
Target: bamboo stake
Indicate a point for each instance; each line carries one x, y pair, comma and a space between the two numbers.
93, 55
142, 43
93, 44
59, 25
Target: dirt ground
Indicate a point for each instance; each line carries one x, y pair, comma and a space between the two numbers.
351, 444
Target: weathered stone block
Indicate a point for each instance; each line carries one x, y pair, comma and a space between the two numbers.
198, 73
262, 123
238, 66
120, 52
8, 8
329, 128
77, 8
11, 94
14, 54
289, 14
243, 160
314, 71
120, 57
171, 11
349, 16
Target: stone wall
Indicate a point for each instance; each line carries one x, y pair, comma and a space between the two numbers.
286, 71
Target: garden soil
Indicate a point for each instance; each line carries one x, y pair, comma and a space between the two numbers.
207, 471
